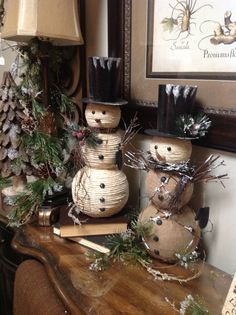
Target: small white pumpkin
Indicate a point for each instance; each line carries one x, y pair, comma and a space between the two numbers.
100, 193
179, 233
170, 150
102, 116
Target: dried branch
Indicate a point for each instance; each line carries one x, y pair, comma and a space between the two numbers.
137, 160
144, 161
130, 131
202, 172
195, 174
158, 275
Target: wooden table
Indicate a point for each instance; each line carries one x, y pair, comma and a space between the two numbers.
121, 289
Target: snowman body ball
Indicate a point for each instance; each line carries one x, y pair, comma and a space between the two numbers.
168, 184
101, 189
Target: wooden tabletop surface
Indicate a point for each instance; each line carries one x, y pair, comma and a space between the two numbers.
120, 289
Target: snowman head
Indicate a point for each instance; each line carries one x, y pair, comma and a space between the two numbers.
170, 150
102, 116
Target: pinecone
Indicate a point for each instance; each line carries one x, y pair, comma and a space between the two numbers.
13, 158
28, 125
42, 171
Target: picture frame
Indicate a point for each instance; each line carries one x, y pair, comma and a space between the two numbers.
127, 38
194, 36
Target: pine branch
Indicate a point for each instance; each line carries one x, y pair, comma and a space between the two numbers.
126, 247
63, 101
46, 149
38, 111
190, 306
4, 182
27, 203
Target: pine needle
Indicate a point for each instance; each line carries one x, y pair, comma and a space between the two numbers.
27, 203
46, 149
4, 182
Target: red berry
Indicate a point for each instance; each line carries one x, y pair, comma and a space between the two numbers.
81, 142
79, 135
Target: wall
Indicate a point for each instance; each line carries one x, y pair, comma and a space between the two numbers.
96, 28
9, 56
220, 243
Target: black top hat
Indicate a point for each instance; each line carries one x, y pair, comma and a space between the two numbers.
177, 115
104, 81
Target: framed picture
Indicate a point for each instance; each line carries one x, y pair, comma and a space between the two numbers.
191, 39
130, 23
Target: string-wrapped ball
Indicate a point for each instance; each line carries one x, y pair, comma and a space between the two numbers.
104, 155
168, 191
102, 116
177, 234
100, 193
170, 150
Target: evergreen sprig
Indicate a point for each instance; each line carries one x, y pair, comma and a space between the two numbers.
4, 182
26, 204
30, 89
193, 125
46, 149
86, 136
63, 101
38, 111
126, 247
193, 306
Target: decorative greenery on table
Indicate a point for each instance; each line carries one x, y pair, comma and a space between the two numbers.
190, 306
128, 247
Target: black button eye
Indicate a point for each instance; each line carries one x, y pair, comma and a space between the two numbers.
169, 149
156, 238
102, 209
104, 112
101, 157
159, 222
93, 112
102, 185
156, 252
163, 179
156, 147
102, 199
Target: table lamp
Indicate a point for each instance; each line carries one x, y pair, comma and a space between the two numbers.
53, 22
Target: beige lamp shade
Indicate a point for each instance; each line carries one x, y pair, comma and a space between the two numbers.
54, 20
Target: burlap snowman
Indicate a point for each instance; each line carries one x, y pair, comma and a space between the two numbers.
101, 189
168, 186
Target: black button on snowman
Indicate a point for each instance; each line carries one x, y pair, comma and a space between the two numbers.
168, 187
100, 189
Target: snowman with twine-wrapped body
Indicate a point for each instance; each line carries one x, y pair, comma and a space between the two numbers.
100, 189
169, 182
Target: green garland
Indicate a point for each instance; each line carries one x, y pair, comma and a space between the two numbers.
46, 151
30, 88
